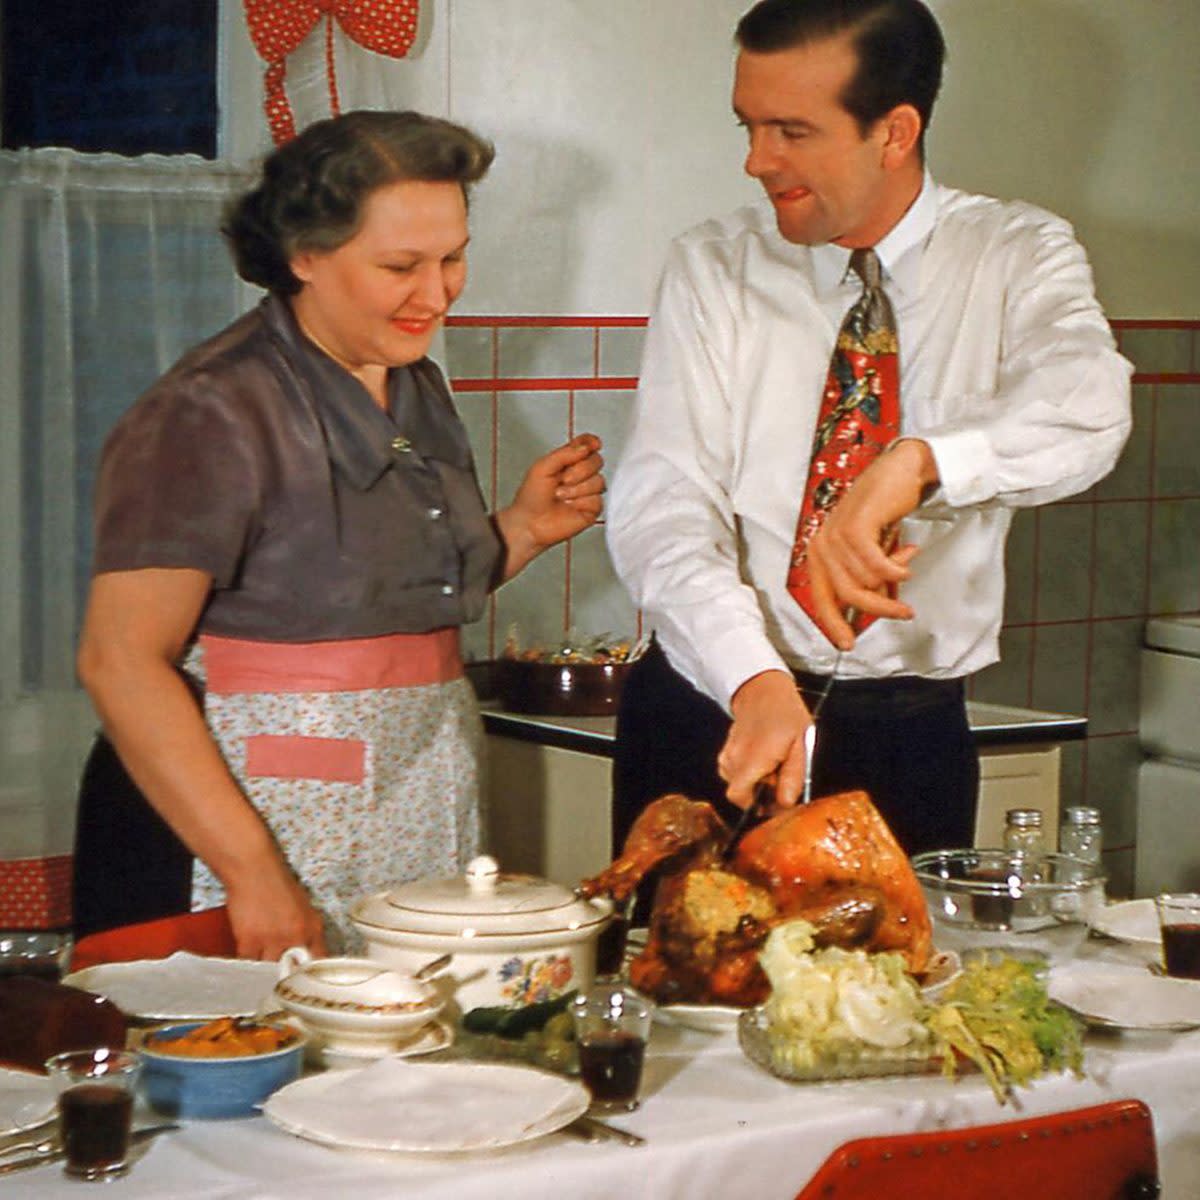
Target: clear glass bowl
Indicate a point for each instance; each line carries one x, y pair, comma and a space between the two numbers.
1032, 906
852, 1060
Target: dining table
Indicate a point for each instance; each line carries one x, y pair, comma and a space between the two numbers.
714, 1124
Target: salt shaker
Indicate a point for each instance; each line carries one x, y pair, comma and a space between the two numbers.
1023, 831
1080, 835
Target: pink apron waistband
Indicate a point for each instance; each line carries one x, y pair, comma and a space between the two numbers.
350, 665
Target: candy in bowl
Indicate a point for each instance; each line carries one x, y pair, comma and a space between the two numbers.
355, 1004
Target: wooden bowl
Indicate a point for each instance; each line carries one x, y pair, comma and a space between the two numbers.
583, 689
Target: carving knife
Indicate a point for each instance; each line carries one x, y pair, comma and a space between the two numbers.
762, 791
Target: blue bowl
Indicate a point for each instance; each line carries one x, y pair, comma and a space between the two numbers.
179, 1086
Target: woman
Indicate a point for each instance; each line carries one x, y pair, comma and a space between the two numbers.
289, 527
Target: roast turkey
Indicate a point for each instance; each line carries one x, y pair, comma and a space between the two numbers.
833, 862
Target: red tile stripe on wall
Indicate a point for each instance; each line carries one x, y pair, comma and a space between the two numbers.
596, 381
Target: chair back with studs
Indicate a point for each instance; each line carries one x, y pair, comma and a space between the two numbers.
1106, 1152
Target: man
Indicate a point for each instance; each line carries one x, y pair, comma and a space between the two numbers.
1011, 394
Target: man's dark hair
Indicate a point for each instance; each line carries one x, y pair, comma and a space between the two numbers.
313, 189
899, 46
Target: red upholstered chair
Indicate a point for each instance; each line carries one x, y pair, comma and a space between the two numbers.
206, 932
1102, 1153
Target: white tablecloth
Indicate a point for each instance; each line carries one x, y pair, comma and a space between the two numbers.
716, 1125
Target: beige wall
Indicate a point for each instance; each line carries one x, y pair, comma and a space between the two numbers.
614, 132
1087, 107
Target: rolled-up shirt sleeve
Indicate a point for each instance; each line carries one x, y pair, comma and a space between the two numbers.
670, 526
1061, 410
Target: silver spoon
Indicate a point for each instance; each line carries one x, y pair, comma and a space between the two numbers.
430, 969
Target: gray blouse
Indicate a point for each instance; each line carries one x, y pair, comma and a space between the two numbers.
262, 462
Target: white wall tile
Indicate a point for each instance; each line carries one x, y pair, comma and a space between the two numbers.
599, 602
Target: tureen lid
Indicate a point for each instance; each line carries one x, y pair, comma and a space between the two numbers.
484, 901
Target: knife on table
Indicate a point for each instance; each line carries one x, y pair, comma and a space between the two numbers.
52, 1156
588, 1129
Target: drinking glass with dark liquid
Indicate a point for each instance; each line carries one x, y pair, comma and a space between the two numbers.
612, 1026
95, 1109
1179, 922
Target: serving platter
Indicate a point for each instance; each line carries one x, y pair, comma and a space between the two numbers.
706, 1018
944, 967
26, 1101
857, 1062
183, 987
1112, 997
427, 1108
1131, 921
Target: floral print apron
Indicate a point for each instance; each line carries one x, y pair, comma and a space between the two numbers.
362, 756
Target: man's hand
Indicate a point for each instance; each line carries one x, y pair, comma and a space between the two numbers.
851, 562
767, 736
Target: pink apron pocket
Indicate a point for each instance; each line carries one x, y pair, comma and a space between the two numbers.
290, 756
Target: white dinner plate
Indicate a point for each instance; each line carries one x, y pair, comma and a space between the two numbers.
184, 987
1126, 997
26, 1100
427, 1108
944, 967
1132, 921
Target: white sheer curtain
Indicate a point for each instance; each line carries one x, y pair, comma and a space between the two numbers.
109, 269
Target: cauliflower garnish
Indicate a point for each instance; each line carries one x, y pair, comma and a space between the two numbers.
832, 1003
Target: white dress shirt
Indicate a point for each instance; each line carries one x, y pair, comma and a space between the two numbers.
1008, 370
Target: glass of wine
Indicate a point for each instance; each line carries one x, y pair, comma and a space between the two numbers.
95, 1108
612, 1026
1179, 920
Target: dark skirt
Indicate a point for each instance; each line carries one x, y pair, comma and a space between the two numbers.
129, 866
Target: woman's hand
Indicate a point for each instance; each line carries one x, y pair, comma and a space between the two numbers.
560, 496
270, 912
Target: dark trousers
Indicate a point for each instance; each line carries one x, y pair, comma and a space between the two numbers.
905, 741
129, 866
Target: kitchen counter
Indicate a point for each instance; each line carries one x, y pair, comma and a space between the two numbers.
993, 725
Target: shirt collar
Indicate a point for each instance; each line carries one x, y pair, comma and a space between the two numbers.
358, 433
899, 250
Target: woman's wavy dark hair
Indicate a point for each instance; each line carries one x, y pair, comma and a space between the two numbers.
899, 45
313, 189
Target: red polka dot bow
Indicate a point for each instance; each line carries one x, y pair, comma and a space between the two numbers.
277, 27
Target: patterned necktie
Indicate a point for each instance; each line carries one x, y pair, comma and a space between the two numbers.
859, 417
